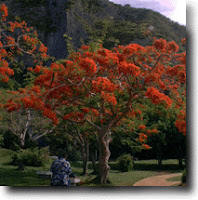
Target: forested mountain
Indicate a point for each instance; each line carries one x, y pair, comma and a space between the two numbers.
81, 21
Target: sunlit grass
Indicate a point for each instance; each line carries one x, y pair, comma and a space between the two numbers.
176, 178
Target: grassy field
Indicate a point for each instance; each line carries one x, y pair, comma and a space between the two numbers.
10, 176
177, 178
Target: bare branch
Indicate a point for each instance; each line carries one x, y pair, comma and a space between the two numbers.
155, 64
41, 135
137, 63
116, 119
8, 46
18, 45
81, 82
120, 84
92, 124
27, 125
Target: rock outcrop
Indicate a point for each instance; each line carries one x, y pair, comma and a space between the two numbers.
77, 18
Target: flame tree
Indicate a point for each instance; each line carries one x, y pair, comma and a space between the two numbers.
104, 87
18, 43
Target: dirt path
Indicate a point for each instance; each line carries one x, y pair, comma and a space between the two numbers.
158, 181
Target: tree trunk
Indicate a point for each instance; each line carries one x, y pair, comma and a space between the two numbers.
180, 163
104, 154
95, 170
85, 157
85, 163
180, 156
160, 162
159, 155
22, 140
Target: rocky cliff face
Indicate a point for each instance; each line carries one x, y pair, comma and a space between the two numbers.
49, 17
76, 18
55, 40
54, 18
72, 18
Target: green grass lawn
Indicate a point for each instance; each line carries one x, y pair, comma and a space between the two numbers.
10, 176
176, 178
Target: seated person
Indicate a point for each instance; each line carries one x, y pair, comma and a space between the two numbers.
61, 170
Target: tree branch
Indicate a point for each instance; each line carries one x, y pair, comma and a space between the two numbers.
27, 124
92, 124
155, 64
41, 135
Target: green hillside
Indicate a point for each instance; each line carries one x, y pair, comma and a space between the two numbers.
85, 20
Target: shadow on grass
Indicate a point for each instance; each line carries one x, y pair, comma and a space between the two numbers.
13, 177
156, 167
139, 166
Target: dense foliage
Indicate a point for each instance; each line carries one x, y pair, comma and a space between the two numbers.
125, 163
31, 157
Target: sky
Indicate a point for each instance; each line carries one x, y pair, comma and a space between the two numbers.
173, 9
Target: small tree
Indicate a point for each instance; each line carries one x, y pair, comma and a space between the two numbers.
19, 44
80, 135
24, 117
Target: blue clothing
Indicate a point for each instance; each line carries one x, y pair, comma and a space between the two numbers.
61, 170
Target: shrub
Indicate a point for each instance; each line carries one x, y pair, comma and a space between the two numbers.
125, 162
184, 176
10, 141
31, 157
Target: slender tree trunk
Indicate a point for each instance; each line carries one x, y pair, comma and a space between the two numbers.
180, 157
104, 154
85, 163
180, 162
159, 155
23, 135
85, 157
22, 140
95, 170
160, 162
